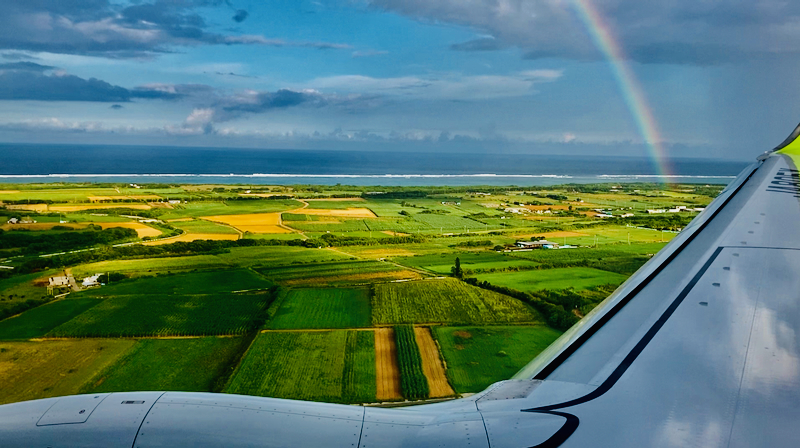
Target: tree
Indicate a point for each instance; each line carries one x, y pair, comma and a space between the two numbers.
456, 270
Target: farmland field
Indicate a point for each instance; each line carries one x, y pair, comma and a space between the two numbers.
204, 282
305, 366
412, 378
147, 266
445, 301
141, 229
214, 208
359, 368
479, 356
189, 237
203, 227
432, 364
442, 263
168, 315
560, 278
32, 370
38, 321
323, 308
169, 364
254, 223
336, 273
387, 372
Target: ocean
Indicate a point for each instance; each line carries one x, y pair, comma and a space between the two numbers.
29, 163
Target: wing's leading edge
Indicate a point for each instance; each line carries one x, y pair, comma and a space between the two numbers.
701, 347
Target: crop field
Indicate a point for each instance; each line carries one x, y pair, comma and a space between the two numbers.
412, 378
77, 194
31, 370
83, 207
189, 237
192, 365
339, 204
254, 223
341, 213
323, 308
336, 273
445, 301
279, 256
141, 229
387, 372
148, 266
358, 382
305, 366
559, 278
449, 223
168, 315
349, 225
203, 227
207, 282
442, 263
479, 356
214, 208
40, 226
38, 321
432, 364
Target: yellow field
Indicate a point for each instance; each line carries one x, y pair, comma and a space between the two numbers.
255, 223
40, 226
41, 208
141, 229
148, 197
348, 213
80, 208
189, 237
386, 253
261, 195
181, 220
336, 200
9, 191
393, 233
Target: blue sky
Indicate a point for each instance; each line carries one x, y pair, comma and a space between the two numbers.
400, 75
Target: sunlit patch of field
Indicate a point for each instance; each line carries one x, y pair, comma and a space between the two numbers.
79, 208
255, 223
336, 200
144, 197
261, 195
393, 233
346, 213
141, 229
31, 370
547, 207
181, 220
41, 208
41, 226
388, 252
9, 191
189, 237
356, 278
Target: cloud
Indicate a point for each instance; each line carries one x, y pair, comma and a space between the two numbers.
31, 81
116, 106
103, 28
240, 16
369, 53
451, 87
674, 32
18, 56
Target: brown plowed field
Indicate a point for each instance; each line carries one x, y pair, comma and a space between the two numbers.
387, 373
432, 364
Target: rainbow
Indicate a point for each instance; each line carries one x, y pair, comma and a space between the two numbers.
629, 85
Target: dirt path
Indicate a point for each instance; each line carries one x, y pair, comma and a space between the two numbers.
432, 364
387, 373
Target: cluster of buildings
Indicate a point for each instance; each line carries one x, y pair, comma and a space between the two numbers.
67, 281
23, 220
677, 209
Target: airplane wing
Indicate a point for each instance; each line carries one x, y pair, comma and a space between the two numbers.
701, 347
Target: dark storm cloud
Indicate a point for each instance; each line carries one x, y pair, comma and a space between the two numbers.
30, 81
99, 27
483, 44
674, 32
265, 101
116, 106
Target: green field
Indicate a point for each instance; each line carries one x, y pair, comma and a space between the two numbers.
32, 370
206, 282
149, 266
169, 315
214, 208
479, 356
323, 308
358, 377
194, 365
560, 278
278, 255
445, 301
332, 273
442, 263
305, 366
203, 227
412, 378
38, 321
